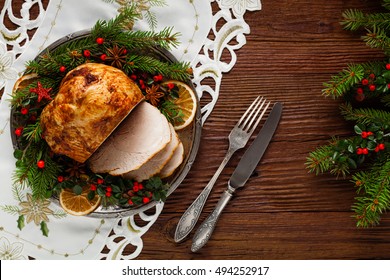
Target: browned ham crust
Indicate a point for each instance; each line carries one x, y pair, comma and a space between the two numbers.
92, 101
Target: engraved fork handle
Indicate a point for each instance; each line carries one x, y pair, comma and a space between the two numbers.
191, 215
203, 233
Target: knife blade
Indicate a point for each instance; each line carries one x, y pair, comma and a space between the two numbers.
240, 176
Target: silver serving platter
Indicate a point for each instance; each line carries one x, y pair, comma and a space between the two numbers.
190, 136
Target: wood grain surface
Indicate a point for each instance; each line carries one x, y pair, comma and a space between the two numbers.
283, 212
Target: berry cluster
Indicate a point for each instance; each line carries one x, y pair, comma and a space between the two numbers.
370, 140
374, 83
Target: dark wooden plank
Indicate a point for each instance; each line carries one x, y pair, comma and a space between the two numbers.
300, 235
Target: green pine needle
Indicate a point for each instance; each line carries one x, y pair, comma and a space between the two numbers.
364, 115
344, 81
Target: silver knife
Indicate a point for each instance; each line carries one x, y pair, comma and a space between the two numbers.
241, 174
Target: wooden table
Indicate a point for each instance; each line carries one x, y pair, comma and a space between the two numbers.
283, 212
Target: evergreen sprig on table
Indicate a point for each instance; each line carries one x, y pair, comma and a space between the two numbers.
365, 89
109, 42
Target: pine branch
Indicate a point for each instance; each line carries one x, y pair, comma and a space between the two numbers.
320, 160
29, 175
336, 158
364, 115
374, 187
148, 64
344, 81
123, 20
377, 38
355, 19
33, 132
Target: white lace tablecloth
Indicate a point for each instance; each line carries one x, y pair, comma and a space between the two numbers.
202, 44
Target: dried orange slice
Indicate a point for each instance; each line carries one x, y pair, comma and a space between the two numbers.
186, 103
78, 205
24, 81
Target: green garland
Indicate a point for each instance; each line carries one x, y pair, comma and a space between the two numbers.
366, 90
111, 43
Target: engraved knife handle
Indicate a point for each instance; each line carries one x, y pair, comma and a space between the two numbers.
203, 234
191, 215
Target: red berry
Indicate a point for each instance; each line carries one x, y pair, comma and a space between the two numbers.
359, 151
24, 111
109, 189
41, 164
62, 69
145, 199
372, 76
388, 66
371, 87
364, 134
172, 85
365, 82
19, 131
130, 202
381, 146
60, 179
100, 41
142, 84
108, 194
140, 186
103, 57
359, 91
370, 133
377, 149
92, 187
365, 151
86, 53
158, 78
133, 77
135, 188
100, 181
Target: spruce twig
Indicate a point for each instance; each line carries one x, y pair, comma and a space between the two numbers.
344, 81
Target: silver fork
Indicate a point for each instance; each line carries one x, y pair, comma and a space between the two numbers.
238, 138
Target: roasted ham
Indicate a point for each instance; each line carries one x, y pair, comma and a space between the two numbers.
141, 136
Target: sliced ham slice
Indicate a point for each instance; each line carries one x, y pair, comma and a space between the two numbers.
153, 166
143, 134
175, 161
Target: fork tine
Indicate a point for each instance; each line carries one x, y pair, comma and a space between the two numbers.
259, 118
253, 116
249, 110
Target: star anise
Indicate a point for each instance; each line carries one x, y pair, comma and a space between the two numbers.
75, 54
116, 56
75, 169
153, 95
